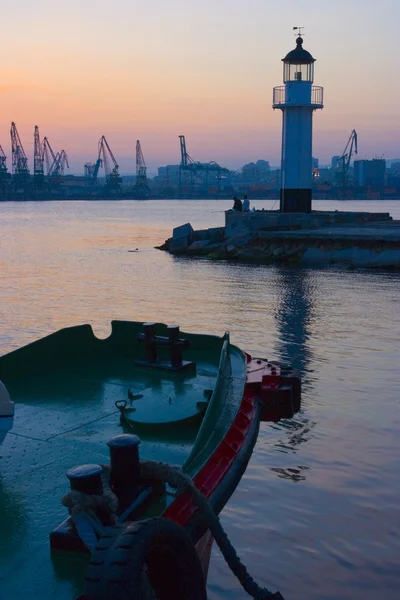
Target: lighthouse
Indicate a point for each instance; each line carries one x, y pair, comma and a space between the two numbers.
297, 99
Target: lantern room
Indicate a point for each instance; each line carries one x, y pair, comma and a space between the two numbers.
298, 65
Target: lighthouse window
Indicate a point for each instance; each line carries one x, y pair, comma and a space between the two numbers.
302, 72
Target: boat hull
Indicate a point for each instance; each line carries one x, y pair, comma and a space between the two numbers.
67, 389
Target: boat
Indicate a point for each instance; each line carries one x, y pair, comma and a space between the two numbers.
6, 412
123, 453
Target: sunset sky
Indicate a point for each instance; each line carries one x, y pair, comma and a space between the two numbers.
155, 69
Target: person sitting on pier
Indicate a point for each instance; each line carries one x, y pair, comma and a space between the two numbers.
237, 204
246, 203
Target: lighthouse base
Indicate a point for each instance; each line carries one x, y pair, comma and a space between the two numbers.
295, 200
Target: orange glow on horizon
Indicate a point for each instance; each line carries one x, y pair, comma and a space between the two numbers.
86, 70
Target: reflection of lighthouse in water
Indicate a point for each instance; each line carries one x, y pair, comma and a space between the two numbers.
293, 318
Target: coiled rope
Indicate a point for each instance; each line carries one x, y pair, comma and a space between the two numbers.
78, 503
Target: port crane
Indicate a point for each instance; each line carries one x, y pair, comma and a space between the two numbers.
343, 163
38, 171
19, 159
199, 173
111, 168
48, 155
107, 160
141, 169
49, 158
141, 189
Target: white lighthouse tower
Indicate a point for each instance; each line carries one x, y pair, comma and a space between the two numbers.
297, 100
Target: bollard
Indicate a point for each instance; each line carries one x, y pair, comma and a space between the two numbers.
173, 341
150, 344
86, 479
125, 467
175, 346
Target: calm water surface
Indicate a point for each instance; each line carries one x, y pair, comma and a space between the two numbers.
317, 514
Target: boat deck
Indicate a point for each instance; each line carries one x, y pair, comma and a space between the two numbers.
61, 422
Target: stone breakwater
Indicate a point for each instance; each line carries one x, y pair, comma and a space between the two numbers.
349, 240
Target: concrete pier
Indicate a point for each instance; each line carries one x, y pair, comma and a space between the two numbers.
320, 238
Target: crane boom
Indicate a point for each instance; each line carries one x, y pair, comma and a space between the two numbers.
105, 145
105, 159
141, 189
185, 158
63, 161
60, 161
343, 162
48, 156
182, 142
111, 167
103, 155
37, 154
141, 169
348, 151
19, 159
197, 174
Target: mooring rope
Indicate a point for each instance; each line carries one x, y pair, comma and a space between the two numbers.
79, 503
175, 477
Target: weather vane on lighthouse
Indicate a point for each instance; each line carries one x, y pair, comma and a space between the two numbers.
298, 98
298, 31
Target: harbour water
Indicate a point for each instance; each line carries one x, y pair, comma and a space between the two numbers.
317, 514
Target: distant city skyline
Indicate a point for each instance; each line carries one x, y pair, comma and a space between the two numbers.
81, 70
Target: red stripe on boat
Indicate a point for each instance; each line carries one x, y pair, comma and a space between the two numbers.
215, 469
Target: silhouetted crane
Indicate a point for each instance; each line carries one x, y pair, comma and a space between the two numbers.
107, 160
111, 168
49, 158
38, 172
55, 163
141, 169
199, 172
185, 158
19, 159
343, 163
141, 190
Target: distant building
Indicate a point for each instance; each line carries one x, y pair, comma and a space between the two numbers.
315, 163
258, 171
169, 172
249, 172
395, 168
263, 169
370, 172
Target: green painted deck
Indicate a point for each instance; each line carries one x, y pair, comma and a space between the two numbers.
65, 414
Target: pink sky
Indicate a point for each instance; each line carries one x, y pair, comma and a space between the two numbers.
204, 69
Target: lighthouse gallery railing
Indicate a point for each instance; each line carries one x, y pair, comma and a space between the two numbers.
281, 92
